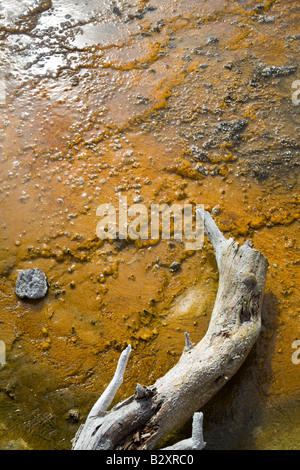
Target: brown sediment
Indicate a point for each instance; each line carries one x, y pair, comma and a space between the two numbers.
151, 109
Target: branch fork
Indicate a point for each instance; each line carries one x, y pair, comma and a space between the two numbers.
141, 421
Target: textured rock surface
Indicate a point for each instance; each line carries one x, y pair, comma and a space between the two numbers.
31, 284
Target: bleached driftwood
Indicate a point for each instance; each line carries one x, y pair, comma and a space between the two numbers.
141, 421
195, 442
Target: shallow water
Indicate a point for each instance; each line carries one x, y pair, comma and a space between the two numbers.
102, 99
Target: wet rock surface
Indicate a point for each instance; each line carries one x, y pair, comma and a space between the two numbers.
31, 284
263, 72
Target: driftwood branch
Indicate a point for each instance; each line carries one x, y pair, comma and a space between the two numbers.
102, 405
141, 421
107, 397
195, 442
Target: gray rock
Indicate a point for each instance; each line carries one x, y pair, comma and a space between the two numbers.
175, 266
31, 284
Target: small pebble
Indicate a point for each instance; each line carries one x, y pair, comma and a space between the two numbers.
175, 266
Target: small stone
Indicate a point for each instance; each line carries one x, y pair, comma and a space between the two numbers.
31, 284
74, 81
117, 11
216, 209
175, 266
73, 415
212, 40
228, 66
